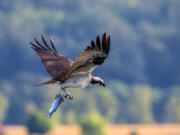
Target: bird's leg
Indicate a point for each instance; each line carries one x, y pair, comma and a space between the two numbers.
66, 94
60, 94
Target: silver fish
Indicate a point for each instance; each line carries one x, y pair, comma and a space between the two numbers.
58, 100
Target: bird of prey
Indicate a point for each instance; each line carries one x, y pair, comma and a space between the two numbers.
68, 73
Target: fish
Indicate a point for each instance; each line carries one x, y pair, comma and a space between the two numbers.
57, 101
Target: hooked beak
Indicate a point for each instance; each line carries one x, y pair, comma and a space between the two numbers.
103, 84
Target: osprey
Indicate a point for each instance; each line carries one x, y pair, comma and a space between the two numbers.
68, 73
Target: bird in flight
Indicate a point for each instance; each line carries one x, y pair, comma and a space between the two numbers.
68, 73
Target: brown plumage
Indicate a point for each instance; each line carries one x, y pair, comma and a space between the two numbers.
62, 68
55, 64
90, 58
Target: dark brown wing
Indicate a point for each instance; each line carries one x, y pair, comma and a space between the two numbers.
55, 64
91, 57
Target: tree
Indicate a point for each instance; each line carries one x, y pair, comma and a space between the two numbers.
37, 123
93, 124
95, 98
105, 102
172, 107
140, 105
3, 107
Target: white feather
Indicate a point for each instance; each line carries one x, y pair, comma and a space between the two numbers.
79, 80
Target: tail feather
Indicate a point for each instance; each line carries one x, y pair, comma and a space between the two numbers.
45, 83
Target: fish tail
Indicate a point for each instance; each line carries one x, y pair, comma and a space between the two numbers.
48, 116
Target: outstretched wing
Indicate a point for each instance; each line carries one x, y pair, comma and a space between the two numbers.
55, 64
91, 57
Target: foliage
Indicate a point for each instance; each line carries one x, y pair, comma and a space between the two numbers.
3, 107
172, 106
93, 124
37, 123
140, 105
140, 72
99, 99
133, 133
145, 41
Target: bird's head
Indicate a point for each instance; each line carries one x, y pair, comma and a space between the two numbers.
97, 81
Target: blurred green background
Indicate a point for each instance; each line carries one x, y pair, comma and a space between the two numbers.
142, 72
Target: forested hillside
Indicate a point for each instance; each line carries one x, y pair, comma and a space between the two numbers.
142, 72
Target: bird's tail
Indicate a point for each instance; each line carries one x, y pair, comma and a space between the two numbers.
45, 83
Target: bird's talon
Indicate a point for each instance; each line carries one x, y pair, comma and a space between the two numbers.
57, 96
70, 97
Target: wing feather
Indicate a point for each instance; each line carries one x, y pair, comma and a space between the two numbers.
90, 58
93, 44
108, 45
45, 43
52, 43
55, 64
104, 42
98, 44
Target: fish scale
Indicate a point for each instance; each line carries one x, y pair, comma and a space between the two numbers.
58, 100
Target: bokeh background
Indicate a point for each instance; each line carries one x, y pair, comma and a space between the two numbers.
142, 72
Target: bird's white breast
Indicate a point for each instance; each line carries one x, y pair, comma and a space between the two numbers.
79, 80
